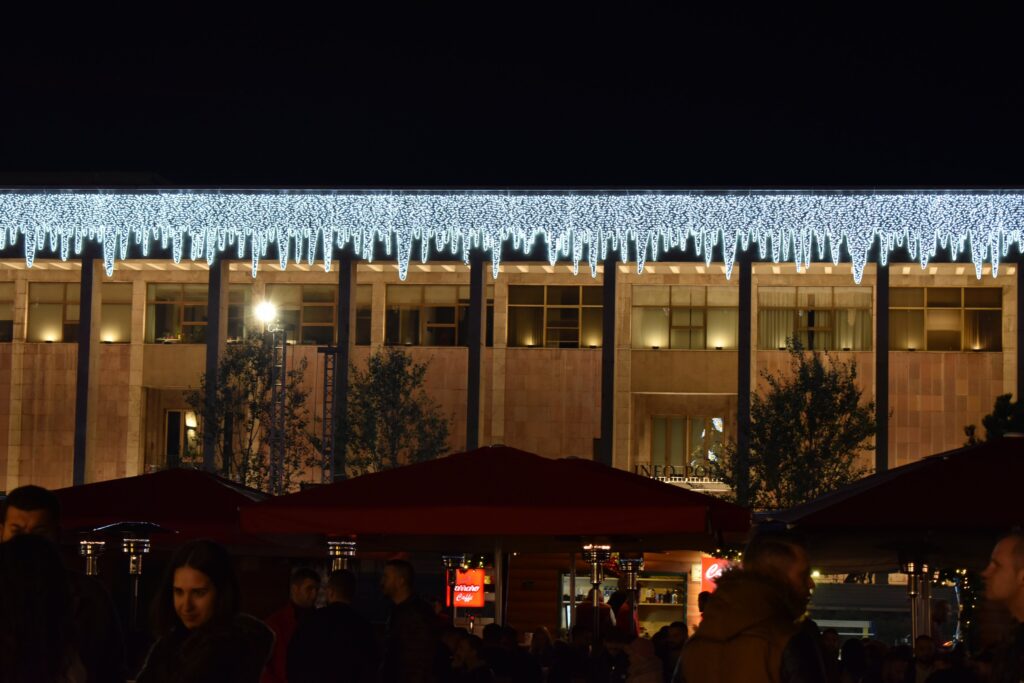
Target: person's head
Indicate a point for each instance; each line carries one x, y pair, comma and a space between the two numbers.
341, 586
199, 588
590, 596
617, 600
491, 634
304, 587
468, 653
451, 636
924, 649
397, 580
853, 656
702, 600
509, 638
36, 630
541, 641
830, 641
675, 636
1004, 575
781, 555
31, 510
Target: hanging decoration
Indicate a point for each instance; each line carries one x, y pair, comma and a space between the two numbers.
578, 226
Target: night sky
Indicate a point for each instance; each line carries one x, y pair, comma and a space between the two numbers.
421, 97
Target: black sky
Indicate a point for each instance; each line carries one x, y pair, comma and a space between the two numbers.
420, 96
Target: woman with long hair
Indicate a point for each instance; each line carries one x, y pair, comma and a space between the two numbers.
202, 636
36, 629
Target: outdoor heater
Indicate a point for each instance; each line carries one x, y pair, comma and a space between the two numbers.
596, 555
631, 565
342, 553
91, 551
919, 590
135, 548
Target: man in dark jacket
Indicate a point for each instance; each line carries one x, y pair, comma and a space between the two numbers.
411, 647
753, 628
335, 644
1004, 584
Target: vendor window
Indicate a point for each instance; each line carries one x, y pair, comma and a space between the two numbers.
685, 317
115, 312
176, 313
555, 316
945, 318
53, 311
432, 315
819, 318
6, 311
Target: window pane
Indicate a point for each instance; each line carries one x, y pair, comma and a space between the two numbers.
163, 323
236, 321
563, 328
115, 323
116, 293
677, 445
983, 330
906, 330
193, 334
284, 296
525, 326
526, 295
363, 326
684, 295
404, 294
650, 328
650, 296
439, 336
6, 330
658, 438
6, 310
723, 328
680, 317
318, 335
195, 314
364, 295
402, 326
906, 297
853, 330
45, 322
776, 297
983, 297
318, 314
943, 297
72, 312
686, 338
943, 329
46, 292
289, 320
852, 297
814, 297
443, 315
318, 293
723, 296
592, 295
774, 327
592, 333
563, 296
195, 292
439, 294
239, 294
73, 292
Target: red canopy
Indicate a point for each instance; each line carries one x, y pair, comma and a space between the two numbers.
501, 493
947, 505
190, 502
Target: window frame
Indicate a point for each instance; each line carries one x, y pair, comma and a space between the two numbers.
962, 309
459, 306
182, 302
580, 307
301, 307
800, 326
703, 327
64, 304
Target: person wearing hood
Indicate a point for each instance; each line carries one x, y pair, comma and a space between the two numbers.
754, 628
202, 635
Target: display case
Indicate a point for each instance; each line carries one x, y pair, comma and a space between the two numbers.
662, 599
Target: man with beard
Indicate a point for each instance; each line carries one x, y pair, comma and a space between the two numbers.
754, 627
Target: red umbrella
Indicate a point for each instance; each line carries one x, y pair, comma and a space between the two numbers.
189, 502
948, 507
502, 493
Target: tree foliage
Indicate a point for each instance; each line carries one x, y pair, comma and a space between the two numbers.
808, 429
1007, 416
240, 416
391, 421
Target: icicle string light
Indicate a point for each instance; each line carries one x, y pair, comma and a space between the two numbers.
575, 225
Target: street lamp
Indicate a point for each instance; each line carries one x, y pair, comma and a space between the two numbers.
266, 313
277, 338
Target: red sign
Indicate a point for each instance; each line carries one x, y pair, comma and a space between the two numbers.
710, 569
469, 588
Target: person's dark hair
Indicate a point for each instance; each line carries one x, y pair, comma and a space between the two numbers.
211, 559
404, 570
770, 551
702, 600
830, 630
475, 644
678, 624
342, 582
617, 599
304, 574
853, 657
30, 498
491, 634
36, 630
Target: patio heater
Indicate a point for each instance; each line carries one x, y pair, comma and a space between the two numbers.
596, 555
342, 554
276, 336
135, 548
91, 551
631, 565
919, 589
452, 563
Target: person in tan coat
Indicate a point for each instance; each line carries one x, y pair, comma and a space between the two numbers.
753, 629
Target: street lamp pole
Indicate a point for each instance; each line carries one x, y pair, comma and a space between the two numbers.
277, 336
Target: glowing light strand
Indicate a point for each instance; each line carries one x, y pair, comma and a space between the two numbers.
574, 225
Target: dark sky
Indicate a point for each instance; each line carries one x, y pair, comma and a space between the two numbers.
425, 97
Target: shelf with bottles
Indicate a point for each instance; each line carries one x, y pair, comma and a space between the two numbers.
662, 591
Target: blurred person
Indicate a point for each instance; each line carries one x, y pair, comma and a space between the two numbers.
675, 639
303, 589
853, 661
753, 626
36, 511
542, 647
1004, 585
924, 658
897, 666
498, 658
621, 605
585, 614
203, 637
335, 644
37, 634
522, 667
412, 643
469, 665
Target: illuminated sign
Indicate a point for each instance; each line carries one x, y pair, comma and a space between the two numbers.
710, 569
469, 588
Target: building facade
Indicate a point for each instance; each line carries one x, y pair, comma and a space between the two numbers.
952, 347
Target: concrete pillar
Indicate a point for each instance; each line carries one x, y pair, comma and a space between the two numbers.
88, 344
609, 301
475, 339
744, 360
216, 338
882, 368
346, 337
135, 454
17, 406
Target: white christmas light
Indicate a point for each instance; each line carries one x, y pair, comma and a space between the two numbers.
575, 225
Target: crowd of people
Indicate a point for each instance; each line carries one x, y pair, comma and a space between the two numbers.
60, 626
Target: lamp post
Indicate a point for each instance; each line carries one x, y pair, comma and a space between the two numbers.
277, 337
342, 553
596, 555
91, 551
135, 548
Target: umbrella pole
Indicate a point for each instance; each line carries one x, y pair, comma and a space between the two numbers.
571, 617
499, 584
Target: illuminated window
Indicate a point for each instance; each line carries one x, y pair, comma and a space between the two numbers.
115, 312
306, 311
555, 316
687, 445
431, 315
53, 311
685, 317
241, 320
820, 318
176, 313
181, 438
364, 314
6, 311
945, 318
